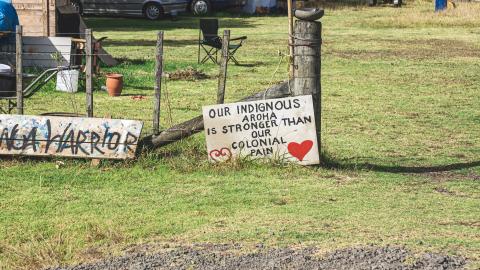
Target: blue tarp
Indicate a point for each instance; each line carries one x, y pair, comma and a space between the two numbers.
8, 17
440, 5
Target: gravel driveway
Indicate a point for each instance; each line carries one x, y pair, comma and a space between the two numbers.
208, 256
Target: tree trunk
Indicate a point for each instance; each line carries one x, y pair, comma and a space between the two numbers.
195, 125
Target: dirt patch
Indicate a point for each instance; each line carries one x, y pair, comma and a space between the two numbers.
445, 191
416, 49
230, 257
473, 224
188, 74
451, 176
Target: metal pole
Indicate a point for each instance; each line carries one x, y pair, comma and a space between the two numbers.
19, 68
222, 76
158, 83
89, 71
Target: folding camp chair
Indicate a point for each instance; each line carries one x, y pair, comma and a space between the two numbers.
211, 43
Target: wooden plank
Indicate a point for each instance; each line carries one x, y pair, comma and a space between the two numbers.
38, 17
47, 52
46, 18
104, 56
32, 21
279, 129
39, 51
68, 136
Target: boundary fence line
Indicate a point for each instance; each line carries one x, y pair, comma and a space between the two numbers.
88, 59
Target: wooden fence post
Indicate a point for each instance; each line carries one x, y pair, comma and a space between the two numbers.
46, 17
290, 39
89, 71
307, 66
158, 83
222, 76
19, 68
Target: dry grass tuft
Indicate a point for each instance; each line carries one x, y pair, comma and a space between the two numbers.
422, 15
39, 252
96, 233
188, 74
414, 49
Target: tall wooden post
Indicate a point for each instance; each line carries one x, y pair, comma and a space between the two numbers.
222, 76
307, 65
19, 68
158, 83
89, 71
290, 38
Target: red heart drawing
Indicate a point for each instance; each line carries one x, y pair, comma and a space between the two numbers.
220, 155
300, 150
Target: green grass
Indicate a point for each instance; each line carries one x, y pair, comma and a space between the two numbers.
400, 138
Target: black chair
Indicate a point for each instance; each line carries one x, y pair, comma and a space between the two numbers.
211, 43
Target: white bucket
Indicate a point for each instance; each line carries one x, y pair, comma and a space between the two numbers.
67, 81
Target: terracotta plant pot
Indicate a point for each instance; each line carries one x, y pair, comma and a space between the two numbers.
114, 84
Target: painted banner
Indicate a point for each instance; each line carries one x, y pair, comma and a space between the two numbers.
68, 136
282, 129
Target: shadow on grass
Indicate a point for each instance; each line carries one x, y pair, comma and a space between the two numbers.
137, 95
119, 24
327, 161
152, 43
135, 61
251, 64
136, 87
142, 62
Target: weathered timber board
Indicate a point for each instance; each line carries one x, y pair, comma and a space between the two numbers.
44, 52
280, 129
68, 136
47, 52
38, 17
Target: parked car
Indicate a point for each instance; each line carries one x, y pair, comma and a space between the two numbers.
202, 7
152, 9
396, 3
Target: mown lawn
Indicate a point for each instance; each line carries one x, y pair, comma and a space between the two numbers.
401, 142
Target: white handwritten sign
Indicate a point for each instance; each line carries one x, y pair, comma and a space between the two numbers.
68, 136
281, 129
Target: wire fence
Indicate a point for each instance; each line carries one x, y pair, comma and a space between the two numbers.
54, 79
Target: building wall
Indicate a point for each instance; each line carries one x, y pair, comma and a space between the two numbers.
38, 17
